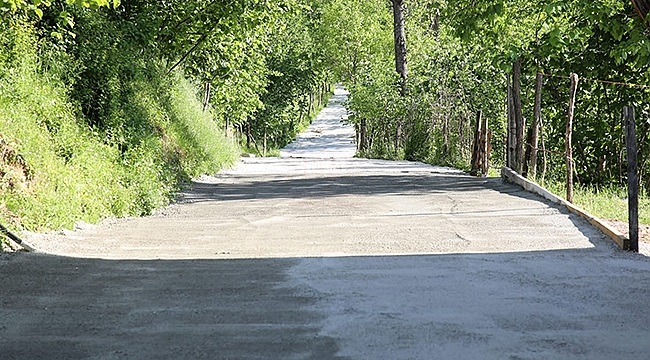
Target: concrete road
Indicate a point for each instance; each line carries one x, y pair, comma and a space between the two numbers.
321, 256
328, 136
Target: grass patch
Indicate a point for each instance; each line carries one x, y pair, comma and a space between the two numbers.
55, 169
605, 203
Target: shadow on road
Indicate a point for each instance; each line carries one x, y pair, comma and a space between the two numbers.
248, 188
560, 304
587, 302
69, 308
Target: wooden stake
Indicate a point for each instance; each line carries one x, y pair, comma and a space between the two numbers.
543, 148
520, 125
486, 137
632, 179
4, 231
265, 141
510, 142
567, 141
477, 145
537, 115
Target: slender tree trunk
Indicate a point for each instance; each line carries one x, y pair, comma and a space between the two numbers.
511, 138
476, 149
206, 95
567, 140
249, 136
534, 142
527, 152
486, 147
401, 67
445, 137
434, 23
543, 147
518, 116
265, 141
362, 135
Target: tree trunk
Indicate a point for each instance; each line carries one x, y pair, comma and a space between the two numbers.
400, 43
527, 152
476, 149
518, 116
311, 102
567, 139
265, 144
206, 95
362, 136
249, 136
445, 138
511, 138
534, 141
543, 147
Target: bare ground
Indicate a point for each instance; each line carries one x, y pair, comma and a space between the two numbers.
624, 228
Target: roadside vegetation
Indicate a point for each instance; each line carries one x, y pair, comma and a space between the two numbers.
459, 58
605, 203
108, 108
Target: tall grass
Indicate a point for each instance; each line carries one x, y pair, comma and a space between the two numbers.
55, 169
606, 203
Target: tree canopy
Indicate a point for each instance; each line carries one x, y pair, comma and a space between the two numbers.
261, 68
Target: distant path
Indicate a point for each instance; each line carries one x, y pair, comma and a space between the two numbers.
325, 256
328, 136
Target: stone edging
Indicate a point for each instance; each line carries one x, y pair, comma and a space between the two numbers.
510, 175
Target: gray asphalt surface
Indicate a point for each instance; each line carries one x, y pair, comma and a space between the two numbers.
317, 255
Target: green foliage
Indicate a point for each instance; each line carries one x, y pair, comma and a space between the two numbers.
604, 203
461, 53
107, 96
297, 82
60, 170
447, 81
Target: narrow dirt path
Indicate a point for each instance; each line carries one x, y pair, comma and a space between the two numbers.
318, 255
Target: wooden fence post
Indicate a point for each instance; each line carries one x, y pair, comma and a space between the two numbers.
477, 145
510, 142
632, 179
486, 147
567, 140
518, 115
537, 115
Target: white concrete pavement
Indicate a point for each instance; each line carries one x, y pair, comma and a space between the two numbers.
328, 136
318, 255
